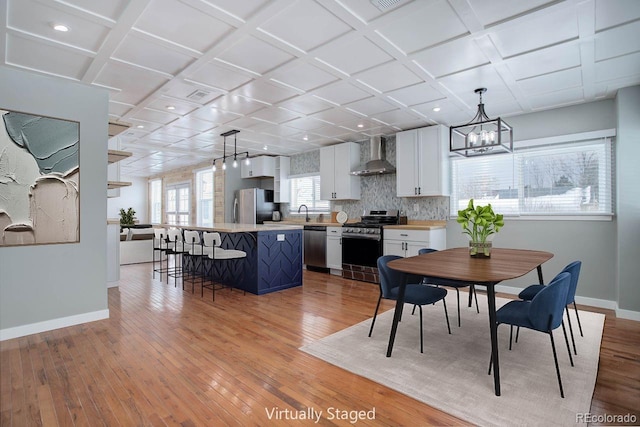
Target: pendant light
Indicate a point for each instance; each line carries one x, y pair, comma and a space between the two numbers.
481, 135
235, 154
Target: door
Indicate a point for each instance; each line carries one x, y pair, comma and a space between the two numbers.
327, 170
334, 252
394, 247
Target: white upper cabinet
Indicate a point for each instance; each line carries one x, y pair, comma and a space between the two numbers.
336, 163
423, 162
281, 188
260, 166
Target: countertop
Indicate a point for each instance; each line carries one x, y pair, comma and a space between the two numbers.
228, 227
419, 225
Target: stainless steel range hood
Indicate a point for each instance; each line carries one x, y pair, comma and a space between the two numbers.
376, 165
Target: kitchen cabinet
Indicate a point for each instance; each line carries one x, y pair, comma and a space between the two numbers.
281, 188
334, 249
423, 162
260, 166
407, 242
336, 164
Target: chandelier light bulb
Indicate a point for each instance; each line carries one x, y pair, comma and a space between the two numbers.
247, 161
235, 163
224, 165
214, 166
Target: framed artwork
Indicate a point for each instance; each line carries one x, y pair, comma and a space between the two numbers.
39, 179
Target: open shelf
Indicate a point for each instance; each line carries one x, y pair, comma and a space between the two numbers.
117, 155
112, 185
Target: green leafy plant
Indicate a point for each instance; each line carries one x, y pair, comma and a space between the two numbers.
479, 222
127, 217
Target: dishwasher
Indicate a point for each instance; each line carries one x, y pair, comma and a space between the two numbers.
315, 246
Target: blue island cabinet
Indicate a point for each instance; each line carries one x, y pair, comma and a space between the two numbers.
273, 262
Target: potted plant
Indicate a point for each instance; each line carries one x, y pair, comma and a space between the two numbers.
127, 217
479, 223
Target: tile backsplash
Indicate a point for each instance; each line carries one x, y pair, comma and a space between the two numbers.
378, 192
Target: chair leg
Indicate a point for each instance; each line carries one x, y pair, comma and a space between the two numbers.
575, 307
517, 333
475, 296
566, 340
446, 314
458, 297
555, 359
421, 339
373, 322
413, 311
573, 341
510, 336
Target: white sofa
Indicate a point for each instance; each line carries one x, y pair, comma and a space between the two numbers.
136, 245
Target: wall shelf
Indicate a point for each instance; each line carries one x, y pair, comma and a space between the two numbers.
117, 155
112, 185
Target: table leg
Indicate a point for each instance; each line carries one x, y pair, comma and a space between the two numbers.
396, 316
493, 327
540, 275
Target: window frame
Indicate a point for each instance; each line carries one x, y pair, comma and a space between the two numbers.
177, 186
199, 200
314, 208
605, 137
153, 202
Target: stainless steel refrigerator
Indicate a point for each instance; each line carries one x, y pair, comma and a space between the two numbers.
253, 206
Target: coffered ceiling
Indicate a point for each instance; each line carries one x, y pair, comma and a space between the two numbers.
296, 75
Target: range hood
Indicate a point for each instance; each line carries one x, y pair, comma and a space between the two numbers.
376, 165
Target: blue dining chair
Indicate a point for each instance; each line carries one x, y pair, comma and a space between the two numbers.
543, 313
531, 291
415, 293
452, 284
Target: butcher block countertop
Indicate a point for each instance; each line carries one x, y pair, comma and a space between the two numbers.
419, 225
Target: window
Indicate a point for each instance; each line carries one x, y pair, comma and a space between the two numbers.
204, 197
573, 178
155, 190
178, 204
305, 190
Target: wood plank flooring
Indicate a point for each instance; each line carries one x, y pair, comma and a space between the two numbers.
169, 357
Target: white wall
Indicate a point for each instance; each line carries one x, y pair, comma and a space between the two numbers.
134, 196
628, 198
49, 286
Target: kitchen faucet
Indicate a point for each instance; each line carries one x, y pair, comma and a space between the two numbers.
307, 219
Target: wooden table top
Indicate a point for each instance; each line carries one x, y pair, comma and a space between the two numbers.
456, 264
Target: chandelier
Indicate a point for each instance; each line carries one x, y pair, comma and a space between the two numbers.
235, 154
481, 135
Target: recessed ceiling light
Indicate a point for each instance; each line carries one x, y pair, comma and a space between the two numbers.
140, 126
170, 107
265, 148
60, 27
360, 125
436, 109
306, 138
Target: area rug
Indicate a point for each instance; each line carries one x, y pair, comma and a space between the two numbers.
451, 374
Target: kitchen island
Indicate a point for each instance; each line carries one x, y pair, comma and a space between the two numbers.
274, 256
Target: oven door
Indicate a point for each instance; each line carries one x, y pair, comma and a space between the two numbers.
361, 250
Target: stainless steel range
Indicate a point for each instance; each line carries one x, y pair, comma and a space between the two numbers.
362, 245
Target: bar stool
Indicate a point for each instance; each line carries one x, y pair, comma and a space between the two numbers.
213, 241
177, 248
196, 255
160, 246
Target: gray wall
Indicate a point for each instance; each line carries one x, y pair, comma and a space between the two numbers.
628, 174
46, 283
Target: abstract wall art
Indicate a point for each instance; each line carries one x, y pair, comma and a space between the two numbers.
39, 180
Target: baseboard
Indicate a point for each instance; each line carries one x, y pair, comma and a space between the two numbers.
591, 302
48, 325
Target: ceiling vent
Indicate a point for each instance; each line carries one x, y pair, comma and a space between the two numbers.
198, 95
385, 5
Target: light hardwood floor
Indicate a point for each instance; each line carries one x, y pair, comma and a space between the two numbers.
169, 357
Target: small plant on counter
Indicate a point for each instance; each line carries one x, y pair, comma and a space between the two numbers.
127, 217
479, 223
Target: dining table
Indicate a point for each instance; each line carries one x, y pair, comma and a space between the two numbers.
456, 264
